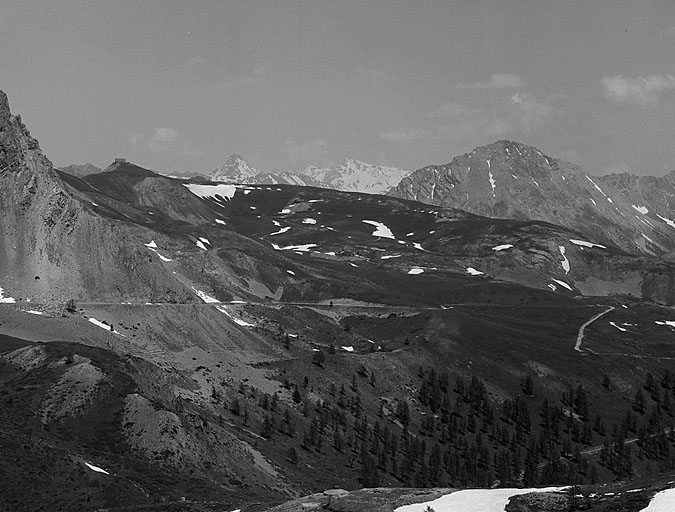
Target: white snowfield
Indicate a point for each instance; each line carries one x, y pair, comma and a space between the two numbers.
583, 243
204, 240
415, 271
381, 230
474, 272
663, 501
502, 247
211, 191
474, 500
96, 468
201, 245
6, 300
220, 221
669, 323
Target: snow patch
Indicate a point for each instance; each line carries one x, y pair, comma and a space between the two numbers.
34, 312
617, 326
236, 320
667, 221
410, 234
387, 257
418, 246
586, 244
474, 272
669, 323
219, 221
348, 349
502, 247
493, 183
103, 326
563, 284
206, 297
597, 188
282, 230
415, 271
151, 245
211, 191
200, 244
204, 240
381, 230
565, 262
290, 272
96, 468
6, 300
309, 221
642, 209
299, 248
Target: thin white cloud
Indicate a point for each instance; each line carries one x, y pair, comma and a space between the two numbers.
165, 140
519, 114
530, 113
645, 91
409, 135
312, 151
497, 81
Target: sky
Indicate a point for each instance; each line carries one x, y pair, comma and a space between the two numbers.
178, 86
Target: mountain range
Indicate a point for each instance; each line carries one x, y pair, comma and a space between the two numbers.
201, 344
351, 176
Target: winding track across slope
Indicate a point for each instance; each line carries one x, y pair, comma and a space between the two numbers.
580, 335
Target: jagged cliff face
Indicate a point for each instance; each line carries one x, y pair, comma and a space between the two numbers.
510, 180
52, 246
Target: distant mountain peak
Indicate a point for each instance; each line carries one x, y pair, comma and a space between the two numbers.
235, 170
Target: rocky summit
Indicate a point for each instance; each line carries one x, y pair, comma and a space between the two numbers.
510, 180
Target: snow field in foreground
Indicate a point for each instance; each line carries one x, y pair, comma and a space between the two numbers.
474, 500
663, 501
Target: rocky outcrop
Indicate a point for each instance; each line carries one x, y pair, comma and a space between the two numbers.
52, 245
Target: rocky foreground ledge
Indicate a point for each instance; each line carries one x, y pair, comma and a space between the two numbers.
379, 499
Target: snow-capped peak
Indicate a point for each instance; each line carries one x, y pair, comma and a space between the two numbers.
356, 176
234, 170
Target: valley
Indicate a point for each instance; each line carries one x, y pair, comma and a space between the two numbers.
187, 344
